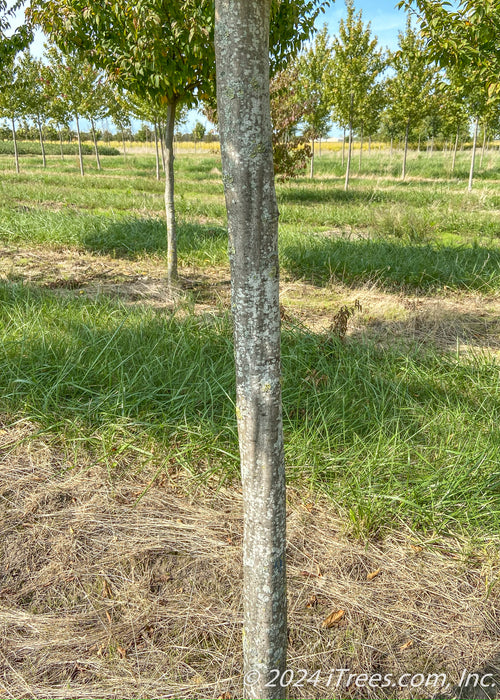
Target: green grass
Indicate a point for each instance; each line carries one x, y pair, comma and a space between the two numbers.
423, 234
393, 433
390, 435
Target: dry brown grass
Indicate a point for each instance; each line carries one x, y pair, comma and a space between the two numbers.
104, 594
451, 321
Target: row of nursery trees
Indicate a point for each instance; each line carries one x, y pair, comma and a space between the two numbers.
350, 80
103, 62
337, 80
64, 88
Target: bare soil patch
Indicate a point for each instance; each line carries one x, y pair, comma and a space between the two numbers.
456, 321
130, 587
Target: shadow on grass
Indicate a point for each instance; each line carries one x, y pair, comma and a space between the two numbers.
131, 238
392, 264
389, 434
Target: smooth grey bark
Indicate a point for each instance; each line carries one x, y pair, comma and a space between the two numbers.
157, 153
14, 138
405, 156
343, 149
96, 150
42, 145
242, 56
80, 155
169, 193
473, 157
311, 173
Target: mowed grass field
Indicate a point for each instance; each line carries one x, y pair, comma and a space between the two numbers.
109, 387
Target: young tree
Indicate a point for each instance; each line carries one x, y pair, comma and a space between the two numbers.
33, 79
11, 102
470, 49
153, 49
357, 64
242, 49
72, 79
314, 68
289, 107
409, 88
198, 133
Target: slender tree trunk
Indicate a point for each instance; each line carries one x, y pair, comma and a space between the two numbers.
418, 147
349, 154
407, 131
483, 148
242, 50
162, 143
157, 153
473, 158
319, 154
42, 145
169, 194
454, 160
61, 143
98, 160
343, 149
311, 174
14, 138
80, 156
360, 151
369, 145
123, 145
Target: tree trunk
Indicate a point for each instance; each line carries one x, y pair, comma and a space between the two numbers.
349, 156
61, 143
483, 148
169, 194
162, 143
405, 156
319, 154
80, 156
157, 152
343, 149
242, 50
16, 152
42, 146
454, 160
360, 151
473, 158
98, 160
123, 145
311, 174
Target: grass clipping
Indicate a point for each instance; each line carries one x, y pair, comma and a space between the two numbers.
107, 595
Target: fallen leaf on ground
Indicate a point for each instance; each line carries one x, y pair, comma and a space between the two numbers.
373, 574
333, 619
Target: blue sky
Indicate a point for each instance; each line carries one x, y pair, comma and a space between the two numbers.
386, 20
